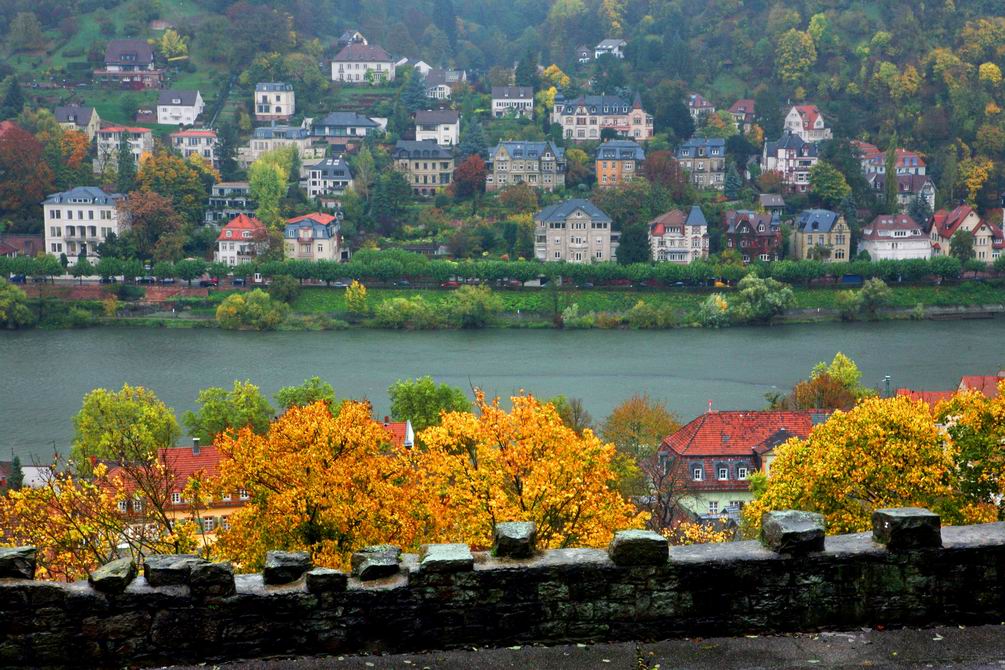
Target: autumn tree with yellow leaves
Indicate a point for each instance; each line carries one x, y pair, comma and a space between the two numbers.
883, 453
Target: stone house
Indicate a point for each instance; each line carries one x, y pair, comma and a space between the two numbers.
227, 200
512, 100
361, 63
179, 108
618, 162
194, 142
807, 122
329, 178
130, 63
539, 164
988, 240
821, 232
699, 108
78, 117
704, 158
240, 241
894, 237
140, 141
428, 167
314, 237
75, 222
793, 158
612, 46
274, 101
576, 231
743, 111
584, 119
756, 236
676, 237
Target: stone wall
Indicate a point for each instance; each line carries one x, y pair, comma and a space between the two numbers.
448, 596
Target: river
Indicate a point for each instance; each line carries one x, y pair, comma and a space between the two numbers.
45, 374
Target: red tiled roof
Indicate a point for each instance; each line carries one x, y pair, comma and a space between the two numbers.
194, 133
890, 222
740, 433
6, 126
119, 129
675, 218
986, 384
241, 223
743, 106
946, 223
185, 463
7, 250
809, 113
931, 398
398, 430
323, 219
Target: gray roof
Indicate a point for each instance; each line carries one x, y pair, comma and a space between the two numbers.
273, 86
714, 146
595, 104
611, 42
319, 231
128, 52
532, 150
85, 194
696, 217
333, 168
280, 132
362, 53
437, 116
424, 149
794, 142
816, 220
187, 98
733, 219
772, 200
79, 114
346, 120
621, 150
562, 210
513, 92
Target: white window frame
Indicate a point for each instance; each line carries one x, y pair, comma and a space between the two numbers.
698, 474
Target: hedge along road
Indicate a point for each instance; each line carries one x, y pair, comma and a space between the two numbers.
45, 374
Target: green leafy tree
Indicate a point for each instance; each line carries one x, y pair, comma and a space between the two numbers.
733, 184
919, 210
634, 246
413, 95
125, 173
129, 425
311, 391
526, 69
874, 295
14, 311
828, 184
890, 179
16, 479
25, 33
255, 310
284, 288
13, 99
243, 406
422, 400
83, 268
795, 56
961, 245
761, 300
474, 306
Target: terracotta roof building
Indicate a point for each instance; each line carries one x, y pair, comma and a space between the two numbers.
241, 240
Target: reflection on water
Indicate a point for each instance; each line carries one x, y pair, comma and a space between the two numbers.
44, 375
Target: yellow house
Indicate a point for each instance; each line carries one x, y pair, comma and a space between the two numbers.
822, 235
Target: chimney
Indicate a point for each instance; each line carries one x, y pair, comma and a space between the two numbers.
387, 421
195, 446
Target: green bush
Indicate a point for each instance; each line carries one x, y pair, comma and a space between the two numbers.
129, 292
407, 313
573, 320
646, 316
255, 310
284, 288
714, 312
474, 306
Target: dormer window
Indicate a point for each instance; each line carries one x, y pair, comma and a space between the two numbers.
230, 233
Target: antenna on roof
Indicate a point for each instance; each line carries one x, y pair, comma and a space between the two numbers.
710, 406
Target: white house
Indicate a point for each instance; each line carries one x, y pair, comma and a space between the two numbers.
613, 46
195, 142
676, 237
516, 100
241, 240
179, 108
78, 117
274, 101
140, 141
330, 177
314, 237
443, 126
78, 220
362, 64
807, 122
894, 237
420, 66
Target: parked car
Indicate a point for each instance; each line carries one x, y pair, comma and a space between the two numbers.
209, 283
17, 279
145, 280
450, 284
585, 284
403, 283
238, 281
107, 280
168, 280
342, 283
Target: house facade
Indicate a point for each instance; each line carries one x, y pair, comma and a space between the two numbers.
612, 46
274, 101
227, 200
743, 112
440, 82
362, 63
22, 244
710, 460
584, 118
328, 178
618, 162
268, 138
807, 122
576, 231
699, 108
78, 117
793, 158
314, 237
200, 143
874, 160
894, 237
704, 158
539, 164
130, 64
442, 126
241, 241
140, 141
179, 108
676, 237
756, 236
988, 239
428, 167
512, 101
821, 234
909, 188
78, 220
344, 127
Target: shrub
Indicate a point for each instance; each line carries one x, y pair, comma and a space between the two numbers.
873, 295
474, 306
78, 317
714, 312
644, 315
408, 313
848, 305
254, 310
284, 288
573, 320
129, 292
608, 320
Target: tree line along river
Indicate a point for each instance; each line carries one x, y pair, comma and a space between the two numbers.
45, 374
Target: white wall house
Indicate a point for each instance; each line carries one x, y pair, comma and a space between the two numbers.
443, 126
807, 122
894, 237
200, 143
78, 220
516, 100
179, 108
314, 237
140, 141
362, 64
274, 101
329, 177
612, 46
241, 240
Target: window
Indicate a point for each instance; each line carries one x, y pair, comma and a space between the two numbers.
697, 473
713, 506
243, 494
175, 498
122, 505
225, 523
741, 472
225, 497
208, 524
723, 472
137, 504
